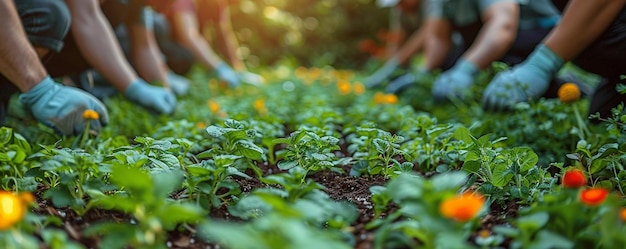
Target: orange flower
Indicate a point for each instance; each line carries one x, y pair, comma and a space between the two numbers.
213, 106
574, 178
593, 196
13, 208
569, 93
462, 207
344, 87
622, 214
359, 88
201, 125
90, 114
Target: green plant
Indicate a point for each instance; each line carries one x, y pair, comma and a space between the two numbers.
144, 196
308, 151
376, 152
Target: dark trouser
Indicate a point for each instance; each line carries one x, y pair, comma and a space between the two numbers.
178, 58
606, 57
46, 23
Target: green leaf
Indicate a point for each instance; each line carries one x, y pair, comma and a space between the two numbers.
502, 175
472, 166
21, 142
462, 133
525, 157
449, 180
135, 180
532, 222
547, 239
249, 150
287, 164
166, 182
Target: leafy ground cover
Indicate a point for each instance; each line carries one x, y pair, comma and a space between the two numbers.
311, 159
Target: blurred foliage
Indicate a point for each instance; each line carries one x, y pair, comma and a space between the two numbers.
307, 33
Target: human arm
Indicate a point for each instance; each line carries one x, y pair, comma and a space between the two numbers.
581, 24
497, 34
97, 43
413, 45
228, 34
438, 42
145, 53
18, 61
185, 28
53, 104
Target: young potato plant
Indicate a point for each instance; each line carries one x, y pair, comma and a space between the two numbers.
144, 196
309, 151
14, 150
376, 152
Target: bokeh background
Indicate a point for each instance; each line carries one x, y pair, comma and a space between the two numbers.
340, 33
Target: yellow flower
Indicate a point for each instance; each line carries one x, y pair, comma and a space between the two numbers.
379, 98
201, 125
462, 207
344, 87
213, 106
391, 99
13, 208
359, 88
569, 93
259, 105
90, 114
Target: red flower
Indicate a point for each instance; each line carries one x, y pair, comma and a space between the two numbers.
574, 178
593, 196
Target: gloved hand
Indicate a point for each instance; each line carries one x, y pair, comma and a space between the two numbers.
178, 84
251, 78
455, 82
152, 97
403, 82
61, 107
524, 82
226, 73
381, 74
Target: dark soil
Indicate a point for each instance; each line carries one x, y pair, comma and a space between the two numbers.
340, 187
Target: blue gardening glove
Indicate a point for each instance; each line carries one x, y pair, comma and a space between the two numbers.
152, 97
178, 84
381, 74
524, 82
405, 81
226, 73
251, 78
455, 82
62, 107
